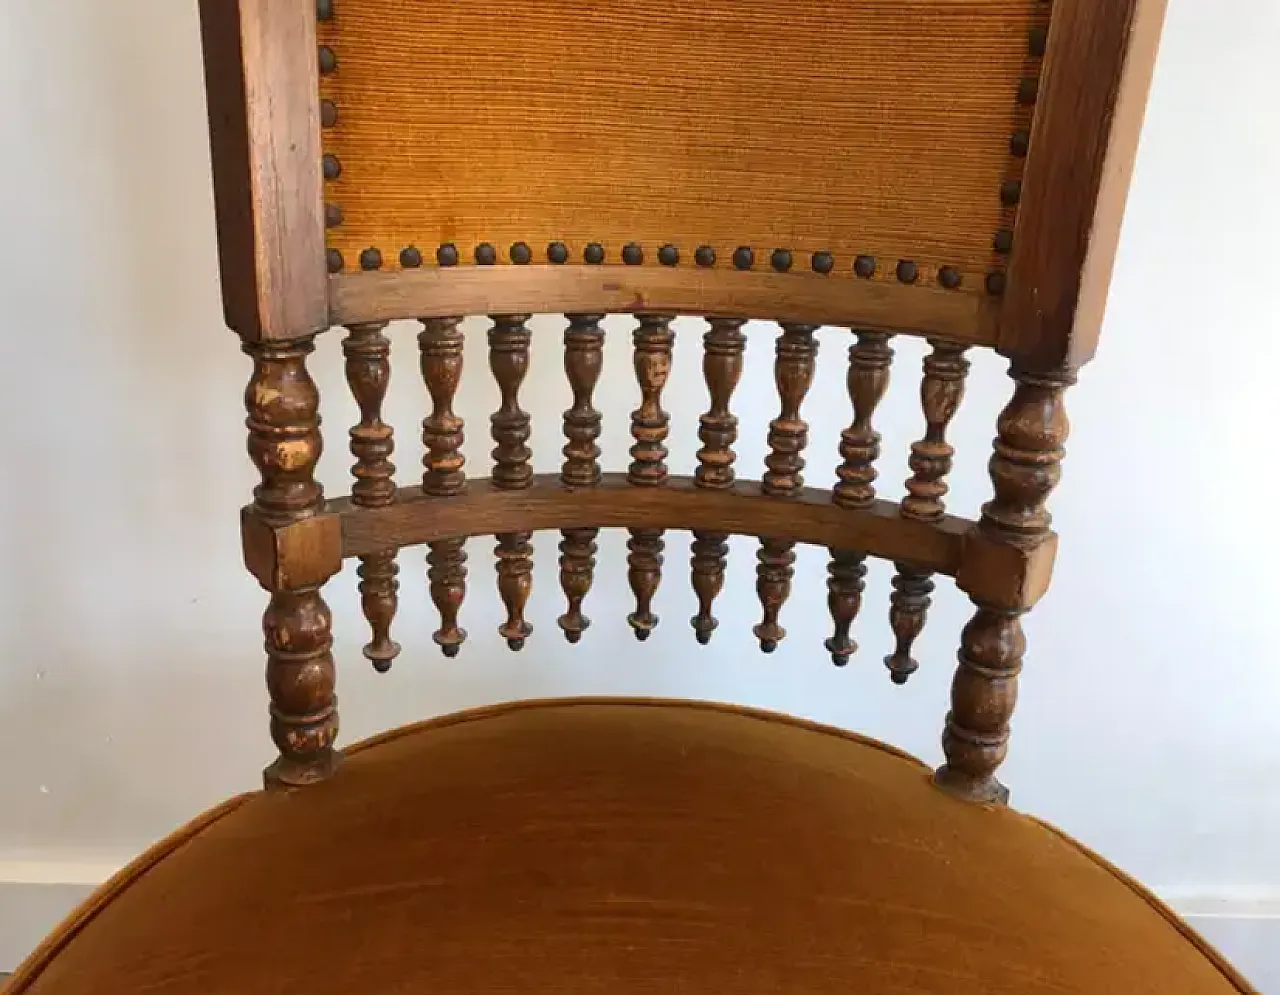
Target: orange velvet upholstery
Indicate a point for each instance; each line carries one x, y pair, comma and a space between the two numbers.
622, 847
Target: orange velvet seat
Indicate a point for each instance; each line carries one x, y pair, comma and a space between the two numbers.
622, 847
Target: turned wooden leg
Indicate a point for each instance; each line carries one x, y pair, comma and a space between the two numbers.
1024, 471
285, 444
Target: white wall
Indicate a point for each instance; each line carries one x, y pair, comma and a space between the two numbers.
131, 689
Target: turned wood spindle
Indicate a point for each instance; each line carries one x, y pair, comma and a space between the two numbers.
440, 345
509, 340
654, 341
368, 368
793, 369
869, 361
941, 391
583, 359
1025, 468
723, 347
285, 444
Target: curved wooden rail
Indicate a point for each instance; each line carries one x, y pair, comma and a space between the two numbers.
798, 297
879, 530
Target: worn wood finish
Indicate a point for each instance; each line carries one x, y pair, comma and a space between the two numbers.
650, 424
285, 445
260, 84
583, 360
1025, 469
723, 347
811, 517
793, 369
440, 345
941, 391
1091, 102
509, 361
795, 297
870, 359
368, 369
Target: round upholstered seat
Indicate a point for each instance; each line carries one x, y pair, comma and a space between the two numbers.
621, 847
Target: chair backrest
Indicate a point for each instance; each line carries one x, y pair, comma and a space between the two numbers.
955, 170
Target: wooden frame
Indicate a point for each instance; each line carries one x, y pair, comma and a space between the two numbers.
264, 122
265, 115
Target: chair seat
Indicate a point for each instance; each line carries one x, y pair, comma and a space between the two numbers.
621, 847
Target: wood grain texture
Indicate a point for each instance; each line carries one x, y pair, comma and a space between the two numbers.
742, 510
545, 289
260, 80
723, 347
285, 445
1091, 104
583, 362
879, 127
368, 369
1025, 468
440, 349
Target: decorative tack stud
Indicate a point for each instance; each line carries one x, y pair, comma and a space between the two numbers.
486, 254
324, 10
949, 277
333, 260
1038, 41
521, 254
328, 113
743, 257
1019, 143
332, 215
780, 260
633, 254
330, 166
328, 61
1003, 242
865, 267
1028, 90
1010, 192
594, 254
557, 253
705, 256
669, 255
410, 257
823, 262
996, 283
447, 254
907, 271
370, 259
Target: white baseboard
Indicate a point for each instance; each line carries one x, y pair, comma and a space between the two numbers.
28, 913
36, 895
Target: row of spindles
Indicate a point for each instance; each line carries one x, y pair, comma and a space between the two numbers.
366, 349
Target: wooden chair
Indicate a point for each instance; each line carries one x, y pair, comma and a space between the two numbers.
954, 170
